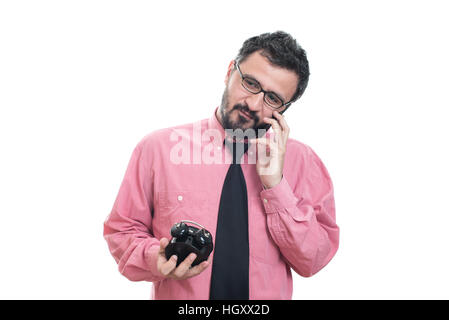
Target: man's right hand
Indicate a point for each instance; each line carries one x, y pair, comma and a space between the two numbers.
184, 270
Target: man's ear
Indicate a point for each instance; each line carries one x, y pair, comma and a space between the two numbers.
230, 68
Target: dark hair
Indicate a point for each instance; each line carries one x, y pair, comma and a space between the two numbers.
282, 50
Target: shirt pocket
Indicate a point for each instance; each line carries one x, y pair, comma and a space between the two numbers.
174, 206
261, 245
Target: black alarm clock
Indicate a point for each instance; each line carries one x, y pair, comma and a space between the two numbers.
187, 239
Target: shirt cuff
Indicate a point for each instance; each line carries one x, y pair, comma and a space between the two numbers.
279, 197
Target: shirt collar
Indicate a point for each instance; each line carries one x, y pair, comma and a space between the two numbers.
214, 124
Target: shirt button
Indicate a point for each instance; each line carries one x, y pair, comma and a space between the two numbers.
219, 148
265, 200
180, 198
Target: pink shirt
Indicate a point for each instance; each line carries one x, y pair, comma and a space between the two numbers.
291, 226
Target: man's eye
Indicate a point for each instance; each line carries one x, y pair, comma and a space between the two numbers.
252, 83
273, 98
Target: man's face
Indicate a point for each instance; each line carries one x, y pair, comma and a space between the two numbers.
241, 109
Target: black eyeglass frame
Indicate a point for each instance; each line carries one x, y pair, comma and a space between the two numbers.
286, 104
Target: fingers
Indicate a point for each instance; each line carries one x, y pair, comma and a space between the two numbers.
168, 267
280, 134
197, 269
272, 146
274, 124
283, 124
165, 266
279, 125
182, 269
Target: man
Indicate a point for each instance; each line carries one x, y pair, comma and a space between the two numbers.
269, 208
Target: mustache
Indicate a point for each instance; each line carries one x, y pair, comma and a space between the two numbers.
245, 109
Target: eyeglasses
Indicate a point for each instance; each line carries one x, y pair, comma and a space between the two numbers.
253, 86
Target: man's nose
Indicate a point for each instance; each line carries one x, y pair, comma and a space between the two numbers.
255, 101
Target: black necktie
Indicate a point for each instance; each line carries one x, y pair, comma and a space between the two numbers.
230, 268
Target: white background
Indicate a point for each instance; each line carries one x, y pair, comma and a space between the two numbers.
81, 82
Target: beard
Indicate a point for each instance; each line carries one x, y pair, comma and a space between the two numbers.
241, 122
